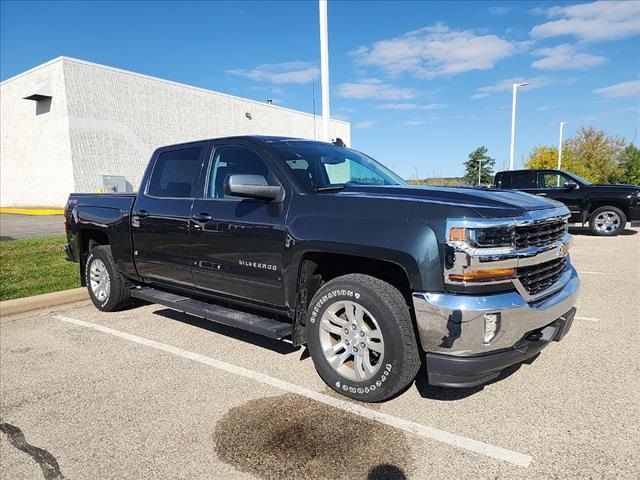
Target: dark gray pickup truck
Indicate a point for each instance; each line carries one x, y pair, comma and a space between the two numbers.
321, 245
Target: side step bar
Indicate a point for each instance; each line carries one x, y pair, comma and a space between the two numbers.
226, 316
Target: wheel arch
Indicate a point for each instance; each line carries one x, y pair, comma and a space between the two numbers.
315, 268
594, 205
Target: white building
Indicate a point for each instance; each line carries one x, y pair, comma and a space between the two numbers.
67, 124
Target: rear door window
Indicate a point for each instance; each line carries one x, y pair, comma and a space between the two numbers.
175, 173
523, 180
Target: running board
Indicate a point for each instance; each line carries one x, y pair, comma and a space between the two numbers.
216, 313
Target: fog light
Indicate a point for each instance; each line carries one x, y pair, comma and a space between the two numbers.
491, 326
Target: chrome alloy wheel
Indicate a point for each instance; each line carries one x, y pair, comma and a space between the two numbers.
351, 340
607, 221
99, 280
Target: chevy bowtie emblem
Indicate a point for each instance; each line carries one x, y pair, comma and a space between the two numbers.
564, 250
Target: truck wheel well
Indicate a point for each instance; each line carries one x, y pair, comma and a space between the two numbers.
88, 240
322, 267
318, 268
612, 203
92, 238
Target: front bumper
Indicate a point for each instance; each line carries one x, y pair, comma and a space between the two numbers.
451, 329
466, 372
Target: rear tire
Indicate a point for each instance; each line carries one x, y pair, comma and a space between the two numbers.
361, 338
107, 288
607, 221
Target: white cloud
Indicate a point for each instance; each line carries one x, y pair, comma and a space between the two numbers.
397, 106
596, 21
288, 72
411, 106
366, 124
374, 88
507, 84
437, 50
433, 106
544, 108
624, 89
565, 57
499, 10
415, 122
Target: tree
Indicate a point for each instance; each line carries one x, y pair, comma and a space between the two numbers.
630, 165
595, 155
479, 159
591, 153
542, 157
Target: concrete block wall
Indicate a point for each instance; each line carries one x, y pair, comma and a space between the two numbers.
35, 150
106, 121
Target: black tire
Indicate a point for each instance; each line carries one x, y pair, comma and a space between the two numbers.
593, 222
118, 293
399, 363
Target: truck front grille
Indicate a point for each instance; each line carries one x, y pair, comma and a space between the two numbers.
538, 278
540, 234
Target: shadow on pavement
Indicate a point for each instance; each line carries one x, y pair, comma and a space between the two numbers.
588, 233
235, 333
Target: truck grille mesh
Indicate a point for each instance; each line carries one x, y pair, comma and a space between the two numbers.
537, 278
540, 234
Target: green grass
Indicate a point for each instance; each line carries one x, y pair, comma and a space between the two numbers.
35, 265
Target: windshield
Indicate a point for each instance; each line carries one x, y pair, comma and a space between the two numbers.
322, 166
578, 178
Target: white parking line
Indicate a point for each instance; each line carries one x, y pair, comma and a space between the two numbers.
590, 250
588, 319
425, 431
583, 272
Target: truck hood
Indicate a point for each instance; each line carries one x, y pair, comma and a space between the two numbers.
485, 202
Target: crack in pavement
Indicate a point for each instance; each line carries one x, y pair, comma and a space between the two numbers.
46, 461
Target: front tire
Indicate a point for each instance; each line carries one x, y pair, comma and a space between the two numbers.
107, 288
361, 338
607, 221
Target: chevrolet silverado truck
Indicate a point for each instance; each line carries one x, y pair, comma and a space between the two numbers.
605, 208
320, 245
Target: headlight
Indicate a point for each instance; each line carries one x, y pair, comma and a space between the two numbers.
486, 246
483, 237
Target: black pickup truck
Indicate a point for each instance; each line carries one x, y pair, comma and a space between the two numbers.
320, 244
606, 208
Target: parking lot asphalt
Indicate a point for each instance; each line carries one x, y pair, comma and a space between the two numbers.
14, 226
152, 393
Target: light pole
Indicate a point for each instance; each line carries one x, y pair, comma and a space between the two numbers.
324, 70
479, 170
513, 122
562, 124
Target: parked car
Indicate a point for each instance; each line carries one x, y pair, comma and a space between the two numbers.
320, 243
605, 208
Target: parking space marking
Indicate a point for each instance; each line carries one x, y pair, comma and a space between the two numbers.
492, 451
584, 272
588, 319
590, 250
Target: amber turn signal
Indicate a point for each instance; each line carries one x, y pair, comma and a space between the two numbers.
457, 234
484, 275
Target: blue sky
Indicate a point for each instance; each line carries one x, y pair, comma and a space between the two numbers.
422, 83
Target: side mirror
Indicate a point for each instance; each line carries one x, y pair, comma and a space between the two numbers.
251, 186
570, 185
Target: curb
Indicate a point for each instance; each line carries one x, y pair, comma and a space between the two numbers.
32, 211
37, 302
